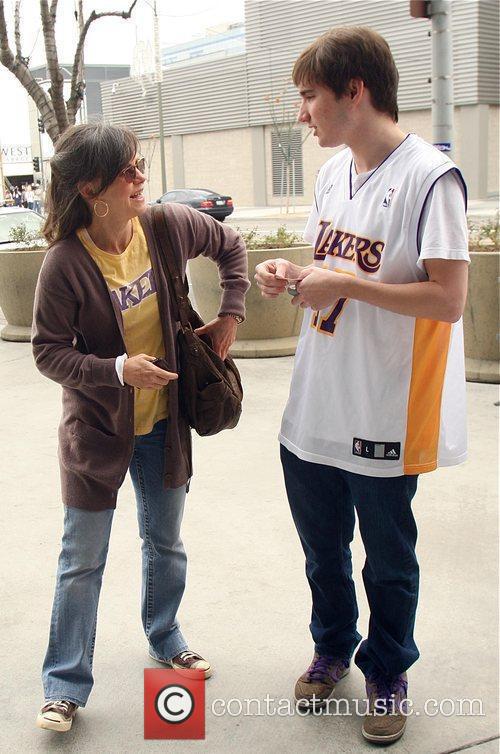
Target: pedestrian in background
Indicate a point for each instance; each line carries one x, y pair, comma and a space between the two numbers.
37, 198
30, 196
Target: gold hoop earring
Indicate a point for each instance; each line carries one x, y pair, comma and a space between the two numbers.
96, 211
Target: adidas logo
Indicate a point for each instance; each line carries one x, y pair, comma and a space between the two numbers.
391, 454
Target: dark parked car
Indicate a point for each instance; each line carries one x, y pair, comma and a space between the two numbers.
209, 202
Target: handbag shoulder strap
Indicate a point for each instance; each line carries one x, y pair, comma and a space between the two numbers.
179, 288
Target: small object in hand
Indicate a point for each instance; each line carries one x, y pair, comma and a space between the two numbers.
292, 289
161, 363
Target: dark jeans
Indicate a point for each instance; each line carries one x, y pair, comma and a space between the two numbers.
322, 500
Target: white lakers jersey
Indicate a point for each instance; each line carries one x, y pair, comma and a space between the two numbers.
373, 392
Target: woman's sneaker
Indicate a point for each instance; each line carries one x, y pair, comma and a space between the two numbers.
315, 686
57, 715
186, 660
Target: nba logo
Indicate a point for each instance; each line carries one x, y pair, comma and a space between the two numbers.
388, 197
357, 447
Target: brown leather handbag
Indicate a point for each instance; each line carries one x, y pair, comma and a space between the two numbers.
210, 391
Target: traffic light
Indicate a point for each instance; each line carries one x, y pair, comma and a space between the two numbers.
36, 164
41, 127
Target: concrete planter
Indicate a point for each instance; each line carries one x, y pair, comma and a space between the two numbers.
481, 318
272, 326
18, 276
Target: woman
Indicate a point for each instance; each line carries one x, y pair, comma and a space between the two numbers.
102, 316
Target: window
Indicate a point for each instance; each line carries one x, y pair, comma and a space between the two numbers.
287, 163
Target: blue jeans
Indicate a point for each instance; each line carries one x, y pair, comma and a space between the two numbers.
323, 500
67, 669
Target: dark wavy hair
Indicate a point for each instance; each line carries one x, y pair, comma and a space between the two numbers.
84, 153
349, 52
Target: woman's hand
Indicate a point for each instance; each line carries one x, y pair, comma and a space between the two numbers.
140, 372
274, 275
222, 333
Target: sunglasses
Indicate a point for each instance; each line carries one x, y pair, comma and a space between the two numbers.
130, 172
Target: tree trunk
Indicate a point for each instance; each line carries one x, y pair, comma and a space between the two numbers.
56, 114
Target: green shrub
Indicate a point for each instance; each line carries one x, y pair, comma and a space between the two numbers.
27, 239
280, 239
485, 234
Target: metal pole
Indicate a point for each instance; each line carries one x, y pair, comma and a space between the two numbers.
159, 77
41, 158
442, 75
2, 177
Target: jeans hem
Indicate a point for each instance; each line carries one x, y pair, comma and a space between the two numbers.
370, 669
66, 698
180, 647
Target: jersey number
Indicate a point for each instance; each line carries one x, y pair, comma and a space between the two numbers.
328, 324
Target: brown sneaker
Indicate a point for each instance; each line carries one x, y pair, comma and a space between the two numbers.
385, 720
315, 686
187, 660
57, 715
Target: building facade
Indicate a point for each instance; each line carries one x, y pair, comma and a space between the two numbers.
230, 123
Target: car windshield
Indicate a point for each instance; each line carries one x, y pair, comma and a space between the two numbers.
32, 222
200, 193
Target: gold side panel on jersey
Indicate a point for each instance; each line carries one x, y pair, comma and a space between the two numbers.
430, 352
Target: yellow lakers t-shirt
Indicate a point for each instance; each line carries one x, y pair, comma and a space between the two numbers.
129, 277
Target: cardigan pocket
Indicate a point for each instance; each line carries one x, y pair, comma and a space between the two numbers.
90, 452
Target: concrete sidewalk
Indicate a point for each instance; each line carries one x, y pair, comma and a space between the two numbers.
247, 603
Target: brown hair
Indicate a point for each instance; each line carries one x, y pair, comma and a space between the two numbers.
84, 153
349, 52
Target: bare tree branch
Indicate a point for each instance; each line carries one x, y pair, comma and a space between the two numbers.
54, 71
20, 70
17, 29
77, 85
6, 55
55, 113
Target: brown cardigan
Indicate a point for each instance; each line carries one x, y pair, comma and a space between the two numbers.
77, 335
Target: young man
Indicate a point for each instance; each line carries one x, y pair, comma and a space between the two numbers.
378, 389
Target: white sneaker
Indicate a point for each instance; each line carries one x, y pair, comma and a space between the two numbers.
57, 715
187, 660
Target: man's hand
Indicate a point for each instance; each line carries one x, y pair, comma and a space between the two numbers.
222, 333
140, 372
319, 288
274, 275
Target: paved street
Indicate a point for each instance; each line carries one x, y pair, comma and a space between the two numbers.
247, 603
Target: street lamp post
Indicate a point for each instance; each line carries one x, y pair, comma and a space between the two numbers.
442, 75
159, 77
439, 12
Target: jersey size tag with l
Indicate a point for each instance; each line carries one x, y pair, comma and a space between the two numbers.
380, 451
